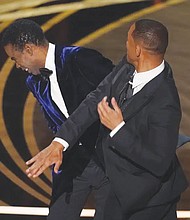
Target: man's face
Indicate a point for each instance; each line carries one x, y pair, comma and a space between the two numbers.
131, 46
24, 60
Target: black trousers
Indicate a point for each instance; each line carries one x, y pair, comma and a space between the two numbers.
69, 207
160, 212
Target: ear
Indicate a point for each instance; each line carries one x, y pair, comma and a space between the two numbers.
29, 49
138, 50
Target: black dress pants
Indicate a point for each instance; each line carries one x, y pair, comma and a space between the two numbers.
160, 212
69, 206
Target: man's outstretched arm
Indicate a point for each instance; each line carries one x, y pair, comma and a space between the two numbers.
71, 130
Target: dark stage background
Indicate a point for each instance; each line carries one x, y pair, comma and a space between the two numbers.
23, 130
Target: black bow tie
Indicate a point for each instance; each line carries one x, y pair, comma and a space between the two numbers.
45, 73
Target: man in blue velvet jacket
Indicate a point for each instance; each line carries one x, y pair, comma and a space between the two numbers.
60, 78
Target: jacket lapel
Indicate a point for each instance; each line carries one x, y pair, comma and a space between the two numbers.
142, 98
121, 79
66, 70
63, 78
59, 64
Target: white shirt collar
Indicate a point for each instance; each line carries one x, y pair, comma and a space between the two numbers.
144, 77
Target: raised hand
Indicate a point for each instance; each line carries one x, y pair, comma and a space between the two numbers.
110, 117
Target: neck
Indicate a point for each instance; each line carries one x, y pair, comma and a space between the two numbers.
148, 63
42, 53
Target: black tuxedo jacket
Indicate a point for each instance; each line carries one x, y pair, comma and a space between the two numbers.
79, 71
140, 158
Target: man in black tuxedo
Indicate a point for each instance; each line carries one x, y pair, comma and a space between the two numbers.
139, 132
60, 78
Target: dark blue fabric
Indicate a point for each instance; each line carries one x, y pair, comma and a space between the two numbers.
67, 51
41, 91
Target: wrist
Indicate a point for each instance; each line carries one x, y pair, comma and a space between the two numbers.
58, 145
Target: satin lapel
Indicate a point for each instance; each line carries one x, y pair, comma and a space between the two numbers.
59, 64
62, 62
64, 70
122, 77
142, 98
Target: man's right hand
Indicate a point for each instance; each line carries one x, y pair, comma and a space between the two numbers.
53, 154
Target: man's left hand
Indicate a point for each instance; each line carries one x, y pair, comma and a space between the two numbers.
109, 117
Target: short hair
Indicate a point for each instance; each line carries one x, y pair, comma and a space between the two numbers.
22, 32
152, 34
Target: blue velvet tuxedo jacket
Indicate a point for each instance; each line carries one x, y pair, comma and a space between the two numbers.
79, 71
140, 159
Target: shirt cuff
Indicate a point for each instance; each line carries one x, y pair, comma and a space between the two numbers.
62, 142
116, 129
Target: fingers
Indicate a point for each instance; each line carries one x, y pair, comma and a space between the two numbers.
115, 105
109, 117
103, 107
32, 160
35, 165
47, 157
56, 167
58, 163
36, 171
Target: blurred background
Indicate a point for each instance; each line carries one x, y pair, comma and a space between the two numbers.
98, 24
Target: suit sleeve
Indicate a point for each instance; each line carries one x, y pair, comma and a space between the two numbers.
153, 147
92, 65
86, 113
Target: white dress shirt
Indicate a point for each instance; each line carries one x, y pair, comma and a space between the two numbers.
54, 87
